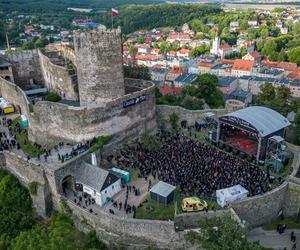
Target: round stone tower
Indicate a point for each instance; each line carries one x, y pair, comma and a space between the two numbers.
99, 65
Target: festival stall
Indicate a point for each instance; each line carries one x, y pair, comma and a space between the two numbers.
228, 195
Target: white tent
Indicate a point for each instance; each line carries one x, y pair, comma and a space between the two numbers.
231, 194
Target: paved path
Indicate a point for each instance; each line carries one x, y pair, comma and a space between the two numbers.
272, 239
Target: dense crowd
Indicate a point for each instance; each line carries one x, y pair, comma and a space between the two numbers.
194, 167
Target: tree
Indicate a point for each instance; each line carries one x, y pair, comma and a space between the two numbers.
243, 51
266, 95
264, 32
259, 45
198, 26
294, 55
207, 84
221, 233
192, 103
276, 99
297, 128
150, 142
207, 89
269, 47
174, 119
200, 50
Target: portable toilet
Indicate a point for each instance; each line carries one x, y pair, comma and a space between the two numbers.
24, 121
125, 175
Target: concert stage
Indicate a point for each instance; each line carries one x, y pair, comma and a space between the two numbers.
248, 130
246, 145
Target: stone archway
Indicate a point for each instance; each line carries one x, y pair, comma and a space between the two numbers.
67, 184
7, 78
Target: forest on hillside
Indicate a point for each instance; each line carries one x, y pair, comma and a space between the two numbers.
46, 6
135, 17
21, 229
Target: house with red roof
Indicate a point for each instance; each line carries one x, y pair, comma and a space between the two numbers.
242, 68
155, 51
174, 73
225, 50
169, 89
183, 53
183, 39
253, 56
295, 74
148, 39
288, 67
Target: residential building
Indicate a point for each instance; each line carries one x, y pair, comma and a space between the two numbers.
184, 79
242, 68
221, 69
252, 23
169, 89
205, 67
173, 74
225, 50
158, 75
253, 56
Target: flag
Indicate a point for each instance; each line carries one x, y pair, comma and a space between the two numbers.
114, 12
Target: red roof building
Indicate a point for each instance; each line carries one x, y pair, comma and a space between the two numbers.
242, 68
168, 89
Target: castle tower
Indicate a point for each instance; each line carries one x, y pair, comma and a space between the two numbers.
99, 65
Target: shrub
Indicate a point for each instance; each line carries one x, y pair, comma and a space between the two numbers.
100, 142
52, 97
33, 186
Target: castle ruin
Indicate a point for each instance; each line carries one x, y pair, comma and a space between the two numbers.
96, 98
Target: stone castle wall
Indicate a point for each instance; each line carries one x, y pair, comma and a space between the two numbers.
56, 121
26, 68
164, 111
99, 65
261, 209
130, 232
292, 201
64, 50
57, 79
27, 172
15, 95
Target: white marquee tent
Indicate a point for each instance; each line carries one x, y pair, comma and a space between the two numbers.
231, 194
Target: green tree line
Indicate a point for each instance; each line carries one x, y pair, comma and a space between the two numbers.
19, 230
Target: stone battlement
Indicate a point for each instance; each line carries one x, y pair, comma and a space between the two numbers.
101, 29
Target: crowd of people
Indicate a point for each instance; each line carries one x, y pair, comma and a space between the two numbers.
126, 206
8, 139
194, 167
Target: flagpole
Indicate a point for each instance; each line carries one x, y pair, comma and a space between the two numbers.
112, 21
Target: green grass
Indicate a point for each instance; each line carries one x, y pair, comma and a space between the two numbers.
289, 222
152, 210
22, 138
100, 142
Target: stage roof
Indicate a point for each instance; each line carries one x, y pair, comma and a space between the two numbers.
266, 121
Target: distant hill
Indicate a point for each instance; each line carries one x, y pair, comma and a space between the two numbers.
135, 17
46, 6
